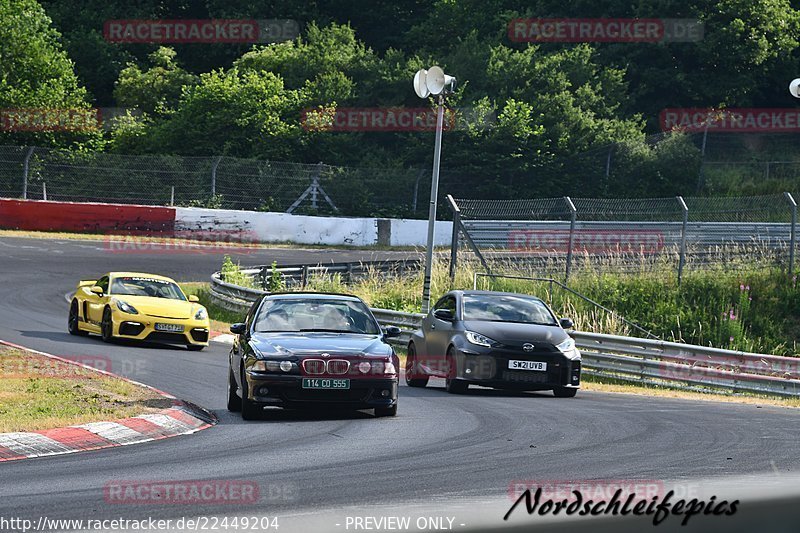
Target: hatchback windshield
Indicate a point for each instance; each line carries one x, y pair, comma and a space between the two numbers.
140, 286
507, 308
295, 315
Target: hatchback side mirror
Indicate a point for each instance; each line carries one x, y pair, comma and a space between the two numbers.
193, 298
238, 328
566, 323
391, 332
444, 314
96, 289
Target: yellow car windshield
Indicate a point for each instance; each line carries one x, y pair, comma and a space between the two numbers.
140, 286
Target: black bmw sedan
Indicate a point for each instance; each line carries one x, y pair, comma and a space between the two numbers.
494, 339
312, 349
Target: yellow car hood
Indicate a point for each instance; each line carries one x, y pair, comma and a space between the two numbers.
159, 307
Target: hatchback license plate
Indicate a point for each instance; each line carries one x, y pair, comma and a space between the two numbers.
540, 366
176, 328
325, 383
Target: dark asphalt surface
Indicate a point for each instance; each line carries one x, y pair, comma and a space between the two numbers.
440, 447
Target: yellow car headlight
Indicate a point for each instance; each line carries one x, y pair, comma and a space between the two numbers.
125, 307
201, 314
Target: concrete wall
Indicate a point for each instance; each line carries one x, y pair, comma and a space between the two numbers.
237, 226
409, 232
303, 229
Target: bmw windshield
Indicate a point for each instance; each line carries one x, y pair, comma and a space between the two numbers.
309, 315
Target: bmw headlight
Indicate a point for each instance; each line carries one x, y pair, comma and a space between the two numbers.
567, 347
478, 339
201, 314
125, 307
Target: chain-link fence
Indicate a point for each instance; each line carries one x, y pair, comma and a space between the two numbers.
559, 236
42, 173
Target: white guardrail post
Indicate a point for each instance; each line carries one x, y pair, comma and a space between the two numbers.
629, 359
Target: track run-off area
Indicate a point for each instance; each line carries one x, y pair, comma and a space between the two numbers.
443, 456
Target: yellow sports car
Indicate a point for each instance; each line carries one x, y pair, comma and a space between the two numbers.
132, 305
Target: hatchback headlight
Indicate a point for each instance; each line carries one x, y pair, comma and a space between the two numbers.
478, 339
125, 307
567, 347
201, 314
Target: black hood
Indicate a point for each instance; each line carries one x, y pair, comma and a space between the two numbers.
309, 343
514, 333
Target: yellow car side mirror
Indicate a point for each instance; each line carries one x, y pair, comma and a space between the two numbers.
97, 290
193, 298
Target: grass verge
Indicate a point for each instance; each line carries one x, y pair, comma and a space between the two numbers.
38, 393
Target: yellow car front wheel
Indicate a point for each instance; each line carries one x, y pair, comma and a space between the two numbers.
107, 326
74, 320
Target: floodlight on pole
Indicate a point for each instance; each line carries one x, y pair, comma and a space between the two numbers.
794, 88
433, 82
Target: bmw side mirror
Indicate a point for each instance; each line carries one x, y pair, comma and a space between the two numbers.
391, 332
444, 314
96, 289
566, 323
238, 328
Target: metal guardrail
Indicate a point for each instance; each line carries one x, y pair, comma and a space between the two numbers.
635, 360
686, 366
298, 275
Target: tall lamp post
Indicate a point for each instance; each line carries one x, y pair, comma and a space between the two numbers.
433, 82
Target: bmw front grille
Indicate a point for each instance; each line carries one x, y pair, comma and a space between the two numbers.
334, 367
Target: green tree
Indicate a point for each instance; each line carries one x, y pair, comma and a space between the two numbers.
156, 90
36, 73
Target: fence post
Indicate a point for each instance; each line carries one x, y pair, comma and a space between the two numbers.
44, 191
682, 260
792, 238
172, 196
214, 175
25, 169
304, 277
454, 239
573, 215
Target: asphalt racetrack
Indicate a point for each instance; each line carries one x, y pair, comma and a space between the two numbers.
442, 456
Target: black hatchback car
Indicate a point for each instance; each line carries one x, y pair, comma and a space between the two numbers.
304, 349
494, 339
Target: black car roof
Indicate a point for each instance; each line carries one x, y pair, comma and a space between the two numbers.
495, 293
314, 295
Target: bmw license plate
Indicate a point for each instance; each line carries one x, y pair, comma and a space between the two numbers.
540, 366
325, 383
174, 328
